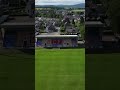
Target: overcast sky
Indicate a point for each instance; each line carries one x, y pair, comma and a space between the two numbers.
58, 2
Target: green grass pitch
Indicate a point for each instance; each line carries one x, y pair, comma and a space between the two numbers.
60, 69
17, 70
102, 71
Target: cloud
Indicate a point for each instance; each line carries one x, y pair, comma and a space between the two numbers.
56, 2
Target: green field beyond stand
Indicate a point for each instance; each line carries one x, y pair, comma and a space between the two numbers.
60, 69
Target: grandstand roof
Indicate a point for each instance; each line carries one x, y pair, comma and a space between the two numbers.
18, 21
94, 24
56, 36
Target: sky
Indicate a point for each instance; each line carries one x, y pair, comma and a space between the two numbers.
58, 2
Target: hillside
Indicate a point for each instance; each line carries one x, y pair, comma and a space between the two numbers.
81, 5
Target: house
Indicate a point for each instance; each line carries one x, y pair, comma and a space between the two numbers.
71, 30
51, 28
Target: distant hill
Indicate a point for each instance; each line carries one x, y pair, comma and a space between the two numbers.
81, 5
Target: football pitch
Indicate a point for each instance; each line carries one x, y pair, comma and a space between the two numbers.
16, 70
102, 71
60, 69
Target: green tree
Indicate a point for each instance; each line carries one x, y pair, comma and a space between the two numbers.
112, 8
81, 28
62, 29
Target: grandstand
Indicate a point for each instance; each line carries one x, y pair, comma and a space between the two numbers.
93, 34
17, 24
57, 40
14, 28
99, 34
